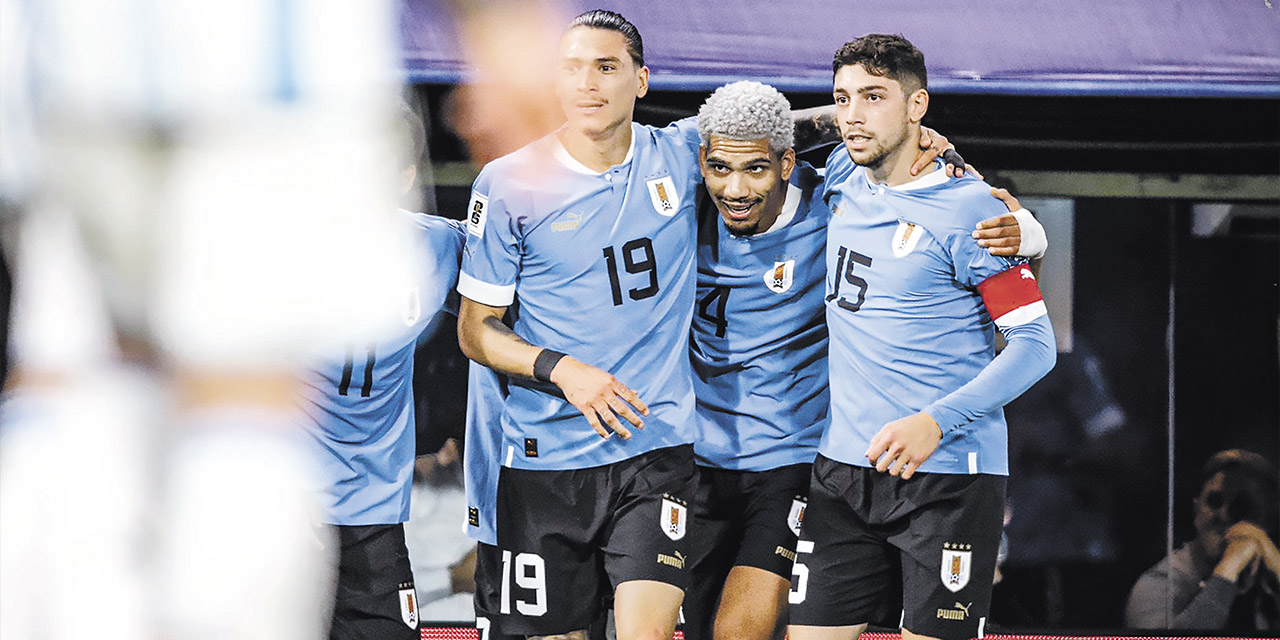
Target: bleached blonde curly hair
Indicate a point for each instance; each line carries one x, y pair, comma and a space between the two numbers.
748, 110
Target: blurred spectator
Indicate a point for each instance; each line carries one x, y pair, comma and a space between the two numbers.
1227, 577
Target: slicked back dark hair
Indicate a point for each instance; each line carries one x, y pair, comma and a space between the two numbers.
889, 56
610, 21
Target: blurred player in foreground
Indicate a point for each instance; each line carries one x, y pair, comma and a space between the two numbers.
361, 425
206, 177
916, 387
759, 351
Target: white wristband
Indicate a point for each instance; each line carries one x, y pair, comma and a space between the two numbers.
1034, 241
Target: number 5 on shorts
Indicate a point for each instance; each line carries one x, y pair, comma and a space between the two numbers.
801, 573
531, 573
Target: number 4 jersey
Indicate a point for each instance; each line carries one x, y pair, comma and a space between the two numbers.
360, 405
599, 266
912, 308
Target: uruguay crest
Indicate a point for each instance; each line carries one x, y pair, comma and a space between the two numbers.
674, 518
905, 238
778, 279
409, 606
662, 191
956, 561
796, 517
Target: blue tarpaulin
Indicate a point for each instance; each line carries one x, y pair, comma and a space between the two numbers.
1042, 47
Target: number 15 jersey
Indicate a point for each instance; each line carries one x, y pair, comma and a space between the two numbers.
599, 266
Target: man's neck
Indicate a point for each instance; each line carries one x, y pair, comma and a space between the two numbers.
598, 151
895, 170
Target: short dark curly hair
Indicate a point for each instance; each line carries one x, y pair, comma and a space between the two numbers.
890, 56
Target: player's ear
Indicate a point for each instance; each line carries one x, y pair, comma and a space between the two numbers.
644, 82
917, 105
788, 163
702, 159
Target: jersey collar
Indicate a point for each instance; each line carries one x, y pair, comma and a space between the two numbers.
931, 179
789, 207
562, 154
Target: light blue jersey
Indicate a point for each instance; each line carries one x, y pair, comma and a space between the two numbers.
602, 265
360, 405
486, 393
759, 340
909, 329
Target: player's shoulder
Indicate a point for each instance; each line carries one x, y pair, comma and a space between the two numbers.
513, 170
807, 177
434, 224
955, 204
436, 230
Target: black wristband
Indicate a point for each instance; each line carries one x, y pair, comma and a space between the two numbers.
952, 157
547, 360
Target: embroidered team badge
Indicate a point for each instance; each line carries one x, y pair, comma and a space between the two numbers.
796, 517
412, 308
477, 211
663, 193
409, 605
673, 518
778, 279
905, 238
956, 561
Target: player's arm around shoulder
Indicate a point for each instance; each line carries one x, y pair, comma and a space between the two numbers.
1014, 232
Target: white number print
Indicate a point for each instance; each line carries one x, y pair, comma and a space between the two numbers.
531, 574
801, 573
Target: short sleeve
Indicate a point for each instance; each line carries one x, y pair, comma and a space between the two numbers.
491, 259
974, 264
444, 239
683, 134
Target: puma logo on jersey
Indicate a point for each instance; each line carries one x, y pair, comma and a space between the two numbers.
572, 221
1027, 275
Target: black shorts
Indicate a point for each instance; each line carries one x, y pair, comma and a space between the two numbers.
568, 538
489, 593
873, 542
375, 596
744, 519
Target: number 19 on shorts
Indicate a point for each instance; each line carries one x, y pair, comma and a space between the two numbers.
530, 574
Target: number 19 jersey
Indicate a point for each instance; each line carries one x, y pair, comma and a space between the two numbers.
599, 266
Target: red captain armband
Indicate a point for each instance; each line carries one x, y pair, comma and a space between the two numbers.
1012, 297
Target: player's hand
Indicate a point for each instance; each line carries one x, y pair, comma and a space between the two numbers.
904, 444
1241, 555
1001, 235
934, 144
599, 396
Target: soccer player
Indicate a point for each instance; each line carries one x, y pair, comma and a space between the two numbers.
907, 491
593, 224
592, 230
759, 351
361, 414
